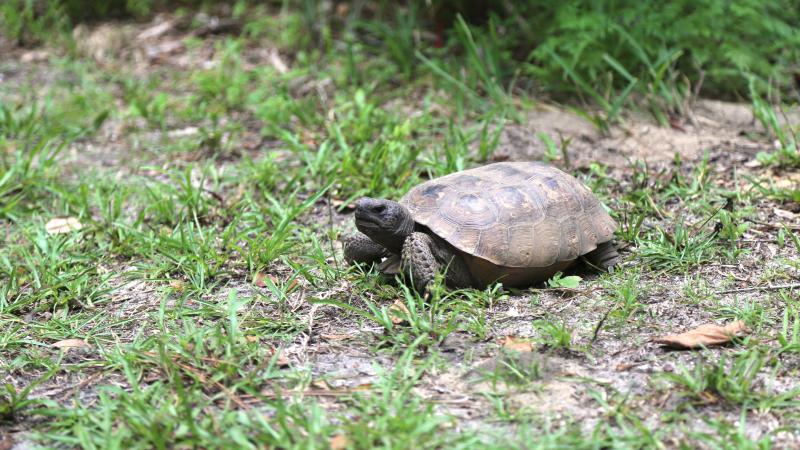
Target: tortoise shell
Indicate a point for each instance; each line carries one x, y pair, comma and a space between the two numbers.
513, 214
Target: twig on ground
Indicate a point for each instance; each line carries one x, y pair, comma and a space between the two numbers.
599, 326
777, 226
315, 392
771, 287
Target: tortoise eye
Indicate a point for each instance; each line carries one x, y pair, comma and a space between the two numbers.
379, 208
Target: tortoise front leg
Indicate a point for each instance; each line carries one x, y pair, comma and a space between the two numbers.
358, 248
422, 258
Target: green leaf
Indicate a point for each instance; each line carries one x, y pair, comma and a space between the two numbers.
570, 282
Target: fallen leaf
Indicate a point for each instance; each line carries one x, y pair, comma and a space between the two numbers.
177, 285
156, 30
62, 225
342, 9
275, 60
704, 335
184, 132
70, 343
335, 337
338, 203
501, 157
6, 442
260, 279
787, 180
621, 367
676, 125
339, 442
753, 163
709, 397
160, 52
784, 214
399, 312
561, 282
517, 344
34, 56
321, 385
281, 360
254, 339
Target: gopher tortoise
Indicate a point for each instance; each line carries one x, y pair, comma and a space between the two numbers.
517, 223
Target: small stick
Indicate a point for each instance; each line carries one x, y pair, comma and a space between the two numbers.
776, 226
330, 231
771, 287
600, 325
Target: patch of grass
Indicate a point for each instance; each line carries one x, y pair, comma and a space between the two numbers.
13, 401
784, 133
678, 250
380, 423
726, 435
512, 368
789, 335
554, 334
426, 321
29, 22
626, 294
734, 380
24, 175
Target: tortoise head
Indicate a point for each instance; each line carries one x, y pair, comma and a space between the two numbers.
385, 221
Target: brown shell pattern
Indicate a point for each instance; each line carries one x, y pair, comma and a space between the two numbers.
514, 214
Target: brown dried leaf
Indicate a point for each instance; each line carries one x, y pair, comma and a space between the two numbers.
60, 225
156, 30
335, 337
163, 50
784, 214
70, 343
786, 180
255, 339
621, 367
514, 343
321, 385
704, 335
34, 56
281, 361
260, 279
338, 203
6, 442
339, 442
276, 61
399, 312
177, 285
753, 163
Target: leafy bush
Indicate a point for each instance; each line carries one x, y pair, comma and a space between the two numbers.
603, 49
32, 21
722, 39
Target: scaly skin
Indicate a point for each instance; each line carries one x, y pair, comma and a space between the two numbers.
358, 248
424, 256
604, 257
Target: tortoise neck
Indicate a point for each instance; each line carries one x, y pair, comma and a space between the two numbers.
394, 239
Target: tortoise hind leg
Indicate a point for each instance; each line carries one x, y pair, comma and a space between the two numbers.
604, 257
422, 258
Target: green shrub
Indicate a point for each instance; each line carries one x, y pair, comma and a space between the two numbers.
721, 39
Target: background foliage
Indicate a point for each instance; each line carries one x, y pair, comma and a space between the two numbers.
704, 44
